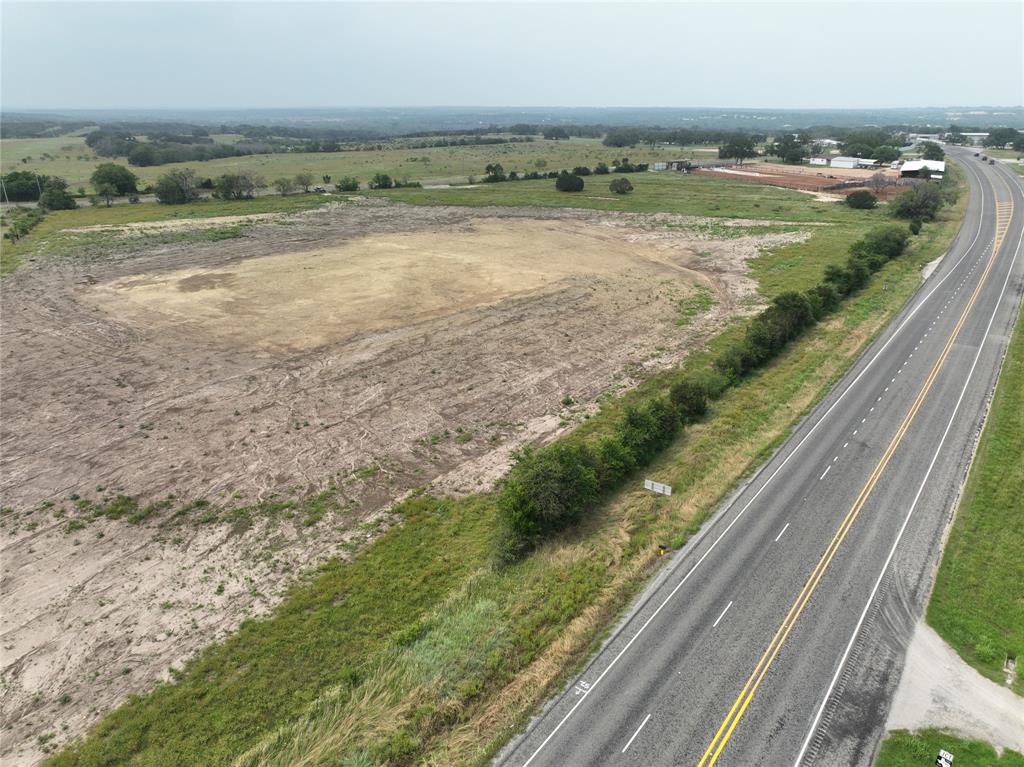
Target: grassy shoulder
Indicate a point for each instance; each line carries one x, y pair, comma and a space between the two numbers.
421, 650
915, 749
978, 601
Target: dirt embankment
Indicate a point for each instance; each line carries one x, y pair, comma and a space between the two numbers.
377, 346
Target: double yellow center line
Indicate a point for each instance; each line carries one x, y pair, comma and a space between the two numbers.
746, 695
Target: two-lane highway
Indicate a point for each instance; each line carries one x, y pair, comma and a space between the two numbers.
760, 643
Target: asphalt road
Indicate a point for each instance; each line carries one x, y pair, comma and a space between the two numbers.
777, 635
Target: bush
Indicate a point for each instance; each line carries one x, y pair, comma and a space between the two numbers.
922, 203
381, 181
620, 186
887, 241
347, 184
601, 169
55, 196
23, 186
237, 186
567, 182
546, 490
118, 176
581, 170
690, 398
915, 226
176, 187
861, 200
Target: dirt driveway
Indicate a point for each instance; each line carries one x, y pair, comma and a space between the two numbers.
375, 346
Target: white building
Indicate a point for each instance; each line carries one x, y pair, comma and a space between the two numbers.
845, 162
819, 161
975, 139
912, 168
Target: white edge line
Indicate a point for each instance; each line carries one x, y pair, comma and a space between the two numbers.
715, 624
630, 743
781, 532
827, 470
671, 594
913, 506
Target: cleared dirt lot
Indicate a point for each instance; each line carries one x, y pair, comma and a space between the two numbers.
375, 346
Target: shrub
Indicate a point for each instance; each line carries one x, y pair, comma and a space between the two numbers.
887, 241
347, 184
690, 398
55, 196
601, 169
861, 200
581, 170
118, 176
237, 186
176, 187
614, 462
922, 203
620, 186
381, 181
567, 182
284, 185
546, 490
915, 226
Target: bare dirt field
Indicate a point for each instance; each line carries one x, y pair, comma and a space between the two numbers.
371, 346
816, 179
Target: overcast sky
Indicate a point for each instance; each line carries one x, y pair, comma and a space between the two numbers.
291, 54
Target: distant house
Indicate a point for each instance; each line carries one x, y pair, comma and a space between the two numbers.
673, 165
845, 162
912, 168
819, 161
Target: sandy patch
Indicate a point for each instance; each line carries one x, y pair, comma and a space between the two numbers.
300, 300
937, 689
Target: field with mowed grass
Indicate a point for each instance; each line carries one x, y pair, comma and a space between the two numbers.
918, 749
70, 158
978, 602
422, 650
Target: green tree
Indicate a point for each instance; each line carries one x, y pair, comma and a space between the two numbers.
22, 186
284, 185
861, 200
118, 176
305, 180
546, 490
107, 191
237, 186
556, 134
381, 181
55, 195
739, 147
177, 187
932, 151
620, 186
567, 182
921, 203
886, 153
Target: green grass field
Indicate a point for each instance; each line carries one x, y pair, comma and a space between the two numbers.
72, 160
978, 602
421, 651
919, 749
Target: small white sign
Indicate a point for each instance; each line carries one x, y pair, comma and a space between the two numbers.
657, 487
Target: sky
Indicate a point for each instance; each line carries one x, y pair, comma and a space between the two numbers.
153, 55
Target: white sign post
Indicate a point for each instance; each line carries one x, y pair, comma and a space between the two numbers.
657, 487
944, 759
